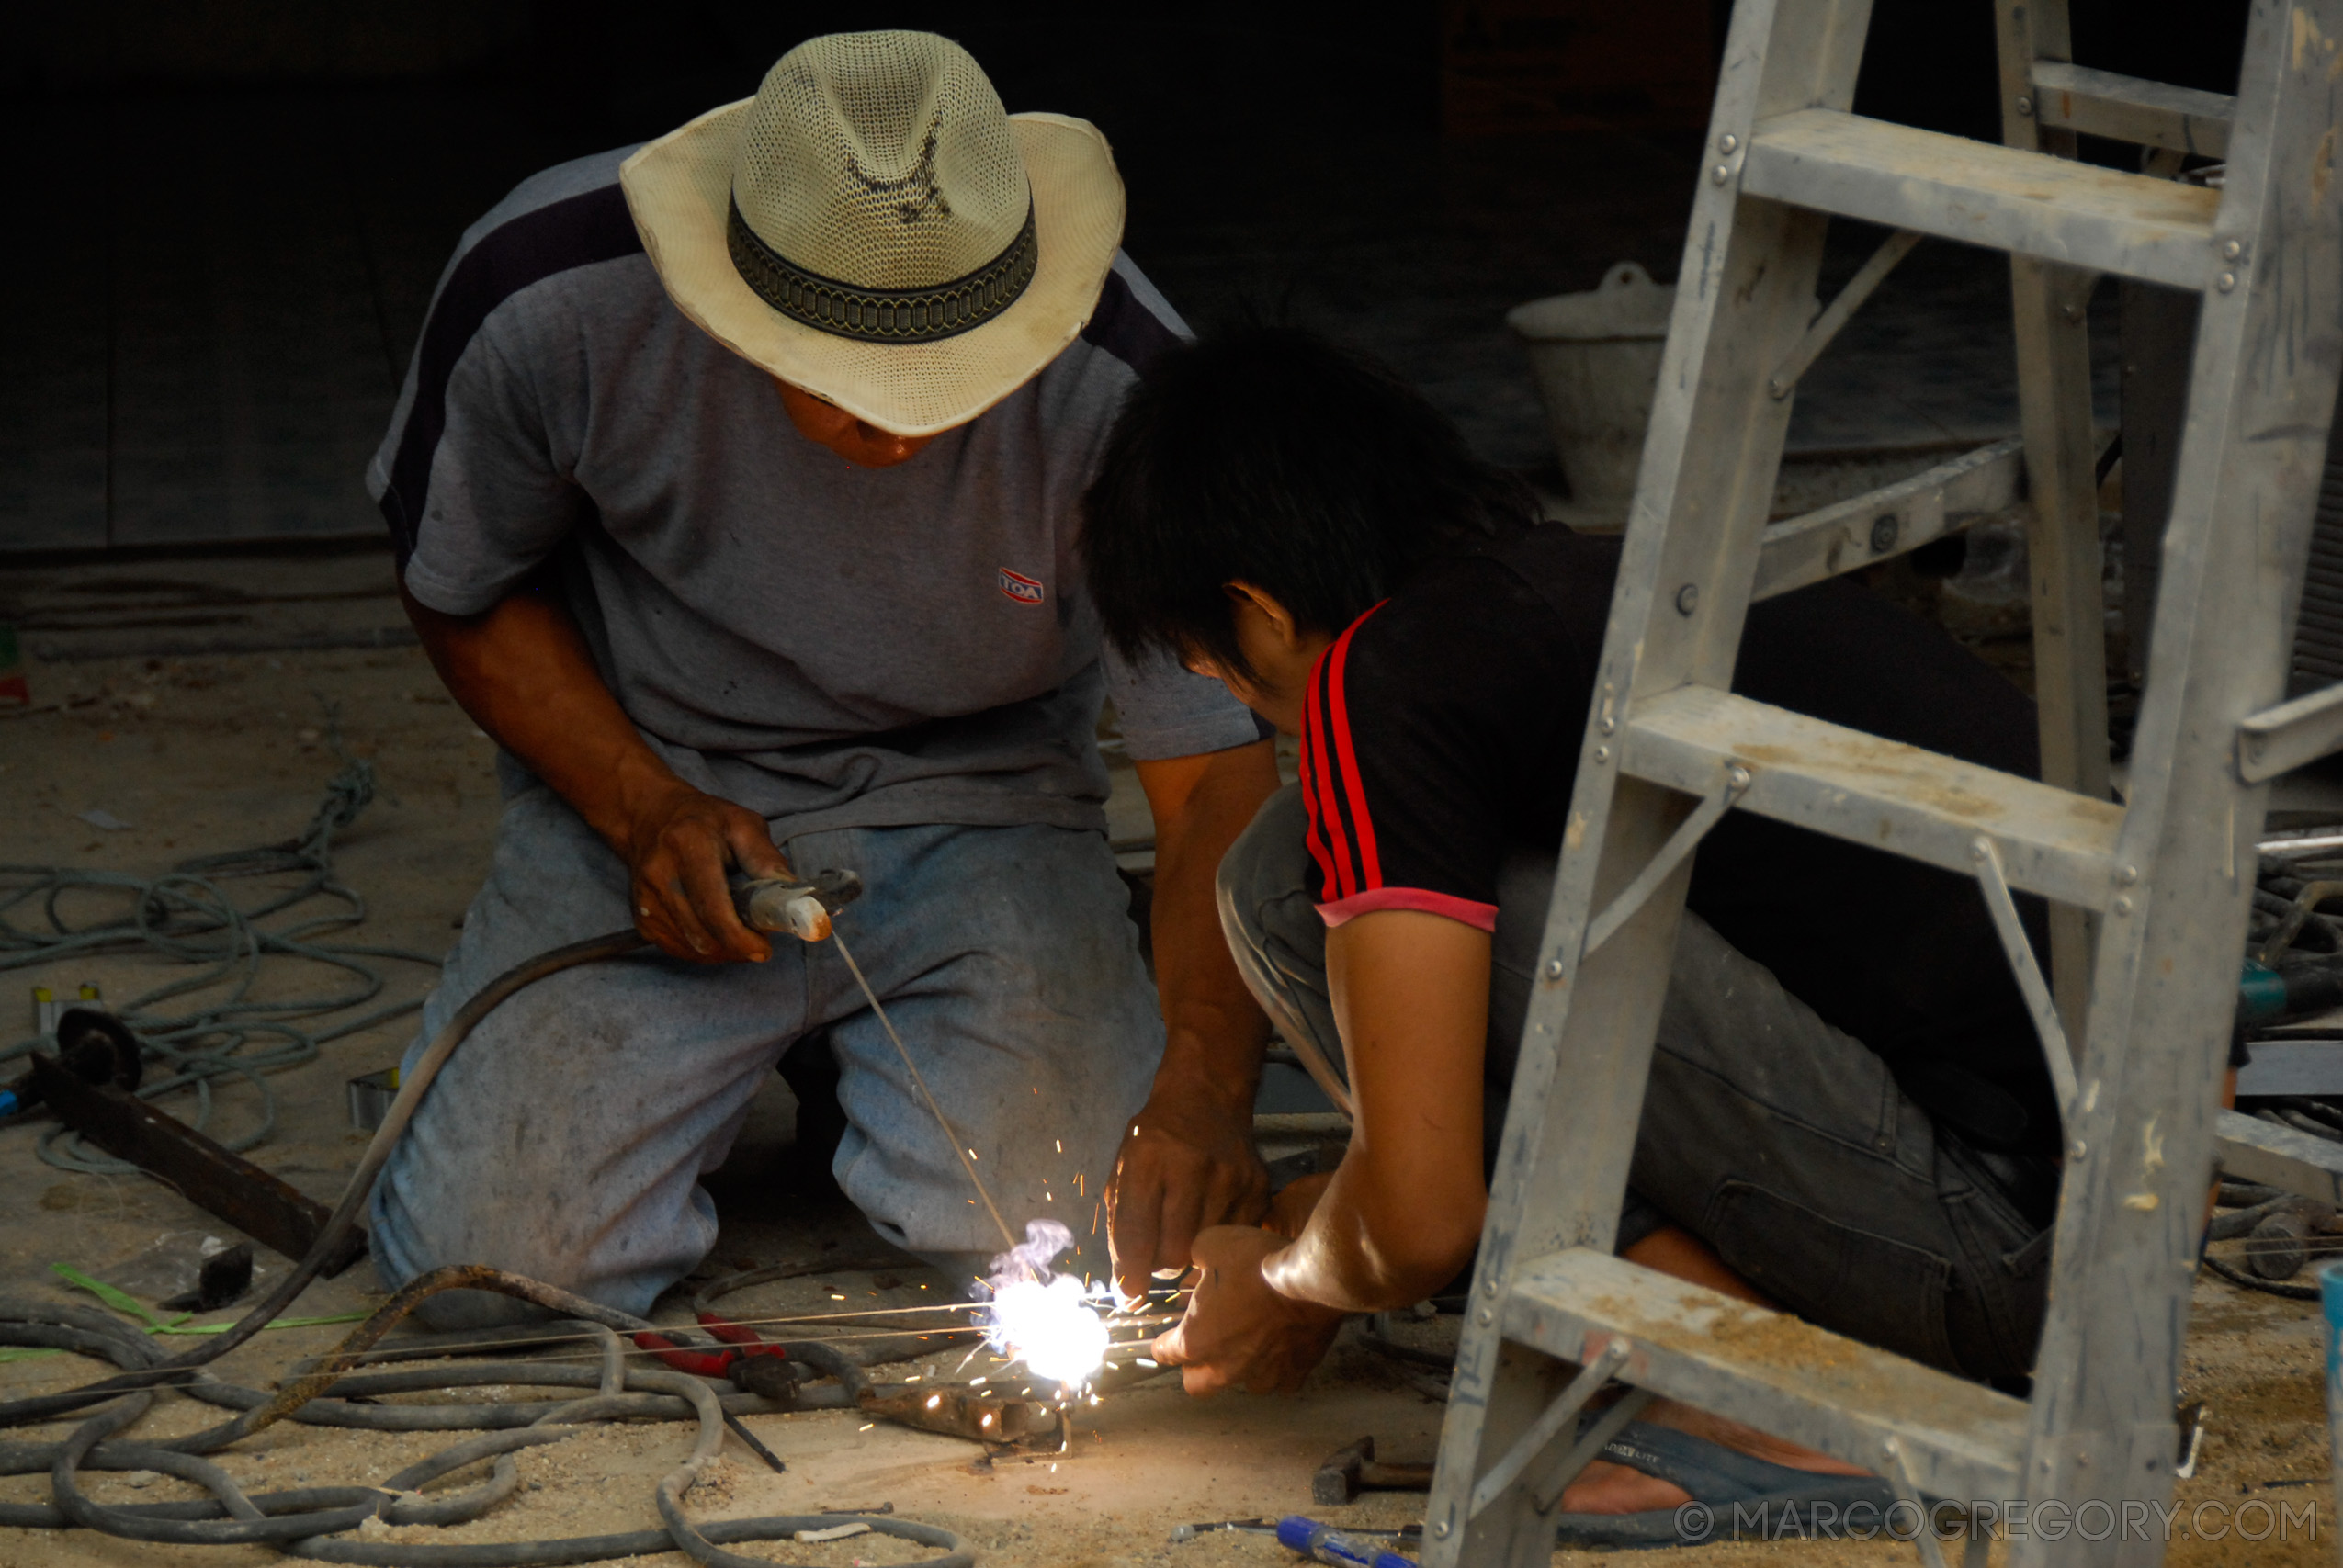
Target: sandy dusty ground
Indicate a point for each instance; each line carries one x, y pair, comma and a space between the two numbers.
199, 751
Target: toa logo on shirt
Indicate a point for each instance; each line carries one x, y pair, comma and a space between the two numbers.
1020, 588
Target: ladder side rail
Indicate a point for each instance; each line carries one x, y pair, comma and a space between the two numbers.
2261, 397
2049, 307
1744, 295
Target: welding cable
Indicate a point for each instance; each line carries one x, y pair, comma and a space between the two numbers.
708, 1295
411, 1088
187, 916
304, 1523
2254, 1282
314, 1516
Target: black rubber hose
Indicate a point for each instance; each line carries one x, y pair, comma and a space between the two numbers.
615, 944
303, 1523
308, 1533
2270, 1287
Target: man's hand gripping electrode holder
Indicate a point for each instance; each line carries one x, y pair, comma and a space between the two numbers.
801, 908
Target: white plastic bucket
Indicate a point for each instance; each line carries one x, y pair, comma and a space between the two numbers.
1596, 357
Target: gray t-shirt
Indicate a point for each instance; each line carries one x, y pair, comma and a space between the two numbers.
837, 645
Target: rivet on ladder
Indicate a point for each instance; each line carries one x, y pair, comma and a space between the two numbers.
1687, 597
1602, 753
1554, 969
2121, 906
2126, 875
2078, 1149
1485, 1317
2226, 282
1441, 1529
2025, 106
1729, 143
1722, 173
2232, 250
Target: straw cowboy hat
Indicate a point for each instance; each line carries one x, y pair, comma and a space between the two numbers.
873, 228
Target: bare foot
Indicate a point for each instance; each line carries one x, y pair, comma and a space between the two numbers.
1607, 1488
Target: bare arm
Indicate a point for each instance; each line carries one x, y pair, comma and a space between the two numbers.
1404, 1211
1188, 1161
1401, 1215
523, 671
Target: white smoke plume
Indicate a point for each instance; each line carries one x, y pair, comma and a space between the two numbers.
1047, 1320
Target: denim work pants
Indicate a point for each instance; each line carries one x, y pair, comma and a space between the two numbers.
1783, 1142
565, 1139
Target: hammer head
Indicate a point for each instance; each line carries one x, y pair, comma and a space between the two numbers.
1337, 1481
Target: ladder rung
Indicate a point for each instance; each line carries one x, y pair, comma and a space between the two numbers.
2074, 213
2286, 737
1921, 804
1890, 521
1769, 1370
2125, 108
2254, 1150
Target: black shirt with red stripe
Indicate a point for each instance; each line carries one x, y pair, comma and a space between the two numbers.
1442, 729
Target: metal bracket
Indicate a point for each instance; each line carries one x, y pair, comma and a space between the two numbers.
2021, 953
1548, 1491
1899, 1475
1839, 311
1681, 843
1565, 1409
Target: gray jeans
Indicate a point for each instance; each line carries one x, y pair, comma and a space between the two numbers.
1783, 1142
566, 1138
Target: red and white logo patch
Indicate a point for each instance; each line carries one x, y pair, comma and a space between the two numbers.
1020, 588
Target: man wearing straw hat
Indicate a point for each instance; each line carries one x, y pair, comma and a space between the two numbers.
733, 487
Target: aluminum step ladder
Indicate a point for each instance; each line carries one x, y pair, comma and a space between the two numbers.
2149, 900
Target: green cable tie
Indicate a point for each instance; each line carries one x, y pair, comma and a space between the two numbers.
120, 1301
123, 1302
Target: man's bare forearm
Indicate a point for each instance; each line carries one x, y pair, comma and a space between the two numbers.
1216, 1033
1410, 993
1188, 1161
522, 669
1346, 1260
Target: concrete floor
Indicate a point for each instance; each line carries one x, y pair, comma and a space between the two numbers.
208, 752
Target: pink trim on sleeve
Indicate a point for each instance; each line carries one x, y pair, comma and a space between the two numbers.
1481, 917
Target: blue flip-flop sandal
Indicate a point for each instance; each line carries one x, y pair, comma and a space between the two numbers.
1735, 1497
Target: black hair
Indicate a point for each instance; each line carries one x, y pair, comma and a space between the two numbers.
1270, 456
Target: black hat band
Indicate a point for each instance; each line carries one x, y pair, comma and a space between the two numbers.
883, 315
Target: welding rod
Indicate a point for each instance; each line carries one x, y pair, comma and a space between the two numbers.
968, 1164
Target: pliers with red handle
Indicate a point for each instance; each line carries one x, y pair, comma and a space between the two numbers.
741, 1342
746, 1343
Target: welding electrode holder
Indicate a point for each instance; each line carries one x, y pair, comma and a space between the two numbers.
801, 908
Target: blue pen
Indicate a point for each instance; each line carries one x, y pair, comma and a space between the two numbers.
1329, 1545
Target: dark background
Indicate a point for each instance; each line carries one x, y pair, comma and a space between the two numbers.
228, 216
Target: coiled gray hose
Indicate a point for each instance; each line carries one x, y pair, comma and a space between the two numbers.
305, 1523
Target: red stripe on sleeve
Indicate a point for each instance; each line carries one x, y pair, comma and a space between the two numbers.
1362, 825
1312, 775
1479, 916
1323, 812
